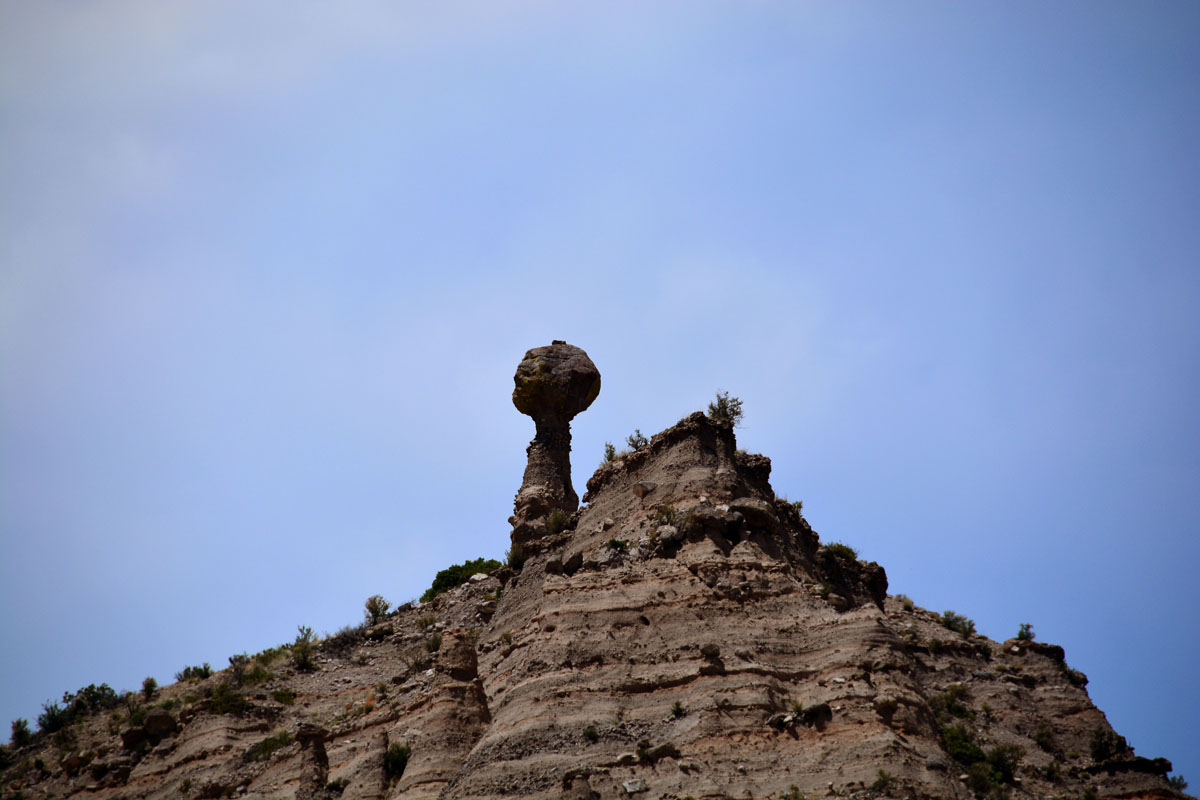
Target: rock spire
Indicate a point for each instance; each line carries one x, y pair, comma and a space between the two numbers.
552, 384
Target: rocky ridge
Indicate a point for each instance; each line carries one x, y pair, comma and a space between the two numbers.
684, 634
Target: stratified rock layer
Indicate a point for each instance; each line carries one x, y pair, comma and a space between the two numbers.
687, 635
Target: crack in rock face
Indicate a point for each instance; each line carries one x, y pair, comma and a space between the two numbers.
552, 385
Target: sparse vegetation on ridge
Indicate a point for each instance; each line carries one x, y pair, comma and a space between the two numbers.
376, 608
964, 626
457, 574
726, 408
194, 673
842, 550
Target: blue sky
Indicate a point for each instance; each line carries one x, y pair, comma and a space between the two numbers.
266, 271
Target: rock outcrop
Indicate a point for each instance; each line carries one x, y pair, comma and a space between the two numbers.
686, 634
552, 384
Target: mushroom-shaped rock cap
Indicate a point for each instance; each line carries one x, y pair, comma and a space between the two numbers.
557, 381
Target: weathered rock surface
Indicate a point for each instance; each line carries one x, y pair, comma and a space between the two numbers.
552, 385
686, 635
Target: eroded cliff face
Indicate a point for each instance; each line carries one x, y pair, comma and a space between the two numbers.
685, 635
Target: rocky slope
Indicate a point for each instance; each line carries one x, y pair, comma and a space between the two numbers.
684, 634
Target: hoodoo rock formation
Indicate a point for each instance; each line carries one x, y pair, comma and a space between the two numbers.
685, 634
553, 385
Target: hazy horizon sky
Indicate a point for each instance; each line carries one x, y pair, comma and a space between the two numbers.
266, 271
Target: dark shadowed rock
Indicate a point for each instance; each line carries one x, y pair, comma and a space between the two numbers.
552, 385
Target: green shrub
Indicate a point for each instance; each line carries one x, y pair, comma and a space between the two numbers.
267, 747
979, 778
556, 522
227, 700
434, 643
636, 441
1107, 743
149, 687
515, 557
1177, 782
21, 735
726, 408
53, 718
619, 545
257, 674
1043, 737
456, 575
666, 515
303, 649
677, 710
194, 673
960, 744
610, 453
591, 734
950, 703
285, 696
1025, 634
1003, 759
843, 551
906, 602
347, 637
268, 656
376, 608
958, 623
237, 663
883, 782
395, 760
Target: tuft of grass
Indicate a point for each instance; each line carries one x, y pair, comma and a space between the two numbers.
395, 760
267, 747
227, 700
199, 673
515, 557
677, 710
958, 623
1043, 737
434, 643
556, 522
883, 781
666, 515
951, 703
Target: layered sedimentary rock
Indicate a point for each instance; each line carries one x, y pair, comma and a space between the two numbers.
686, 635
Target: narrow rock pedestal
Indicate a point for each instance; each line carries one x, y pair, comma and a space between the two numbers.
552, 385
